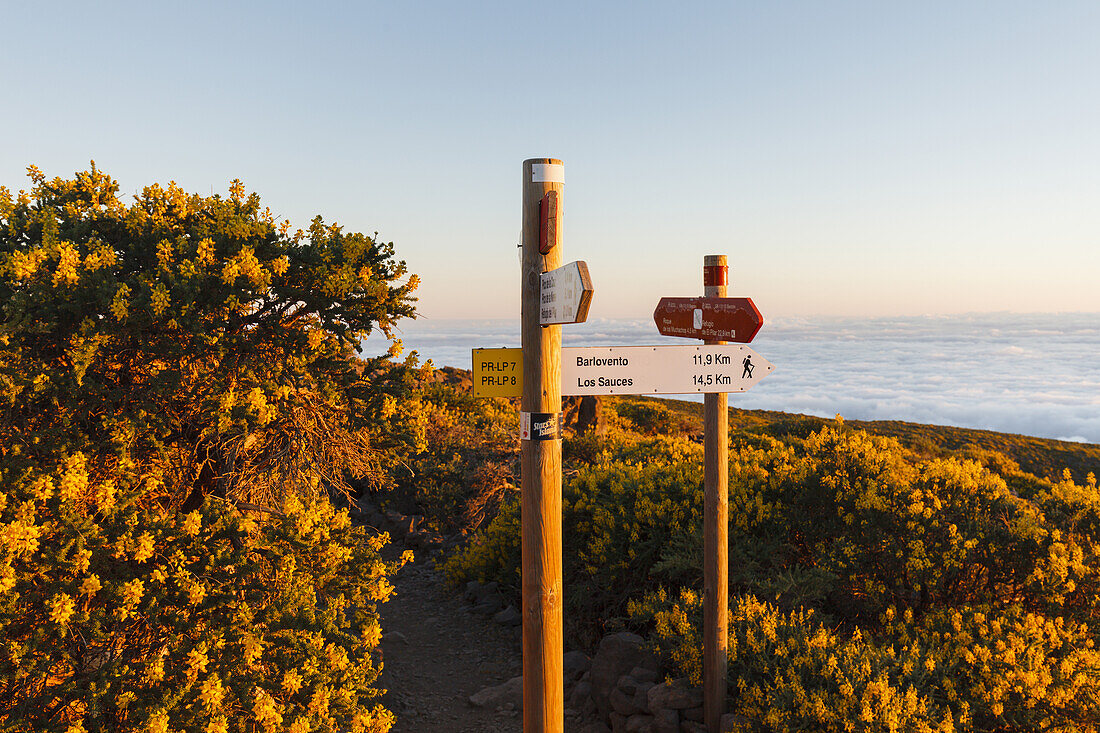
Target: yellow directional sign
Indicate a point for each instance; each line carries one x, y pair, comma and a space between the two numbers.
498, 372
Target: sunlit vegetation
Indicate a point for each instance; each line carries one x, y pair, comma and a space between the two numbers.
183, 422
180, 416
464, 464
874, 586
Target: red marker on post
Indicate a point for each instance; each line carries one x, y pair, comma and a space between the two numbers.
549, 221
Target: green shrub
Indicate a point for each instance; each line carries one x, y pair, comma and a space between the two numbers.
624, 446
467, 464
619, 519
493, 555
796, 427
895, 531
651, 417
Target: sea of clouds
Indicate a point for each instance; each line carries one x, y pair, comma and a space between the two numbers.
1036, 374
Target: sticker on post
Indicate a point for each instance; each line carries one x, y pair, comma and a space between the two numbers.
540, 425
547, 173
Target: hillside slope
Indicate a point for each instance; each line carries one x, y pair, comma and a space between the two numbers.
1042, 457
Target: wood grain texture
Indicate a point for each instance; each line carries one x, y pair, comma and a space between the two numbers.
540, 461
715, 535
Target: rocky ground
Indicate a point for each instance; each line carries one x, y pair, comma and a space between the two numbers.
452, 659
438, 652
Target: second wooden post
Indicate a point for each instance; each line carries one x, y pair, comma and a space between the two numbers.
715, 525
540, 455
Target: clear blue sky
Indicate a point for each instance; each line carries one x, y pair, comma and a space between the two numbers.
852, 158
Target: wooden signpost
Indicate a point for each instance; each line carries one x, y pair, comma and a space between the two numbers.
540, 454
715, 524
716, 319
552, 295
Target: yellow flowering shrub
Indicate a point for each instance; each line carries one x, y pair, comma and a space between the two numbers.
172, 453
465, 459
871, 589
891, 529
675, 633
961, 605
622, 517
494, 554
964, 669
788, 671
287, 609
119, 330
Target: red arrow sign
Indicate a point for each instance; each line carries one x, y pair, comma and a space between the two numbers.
712, 319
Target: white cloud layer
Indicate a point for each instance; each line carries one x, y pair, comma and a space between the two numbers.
1029, 374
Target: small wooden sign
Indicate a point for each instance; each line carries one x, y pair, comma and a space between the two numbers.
565, 294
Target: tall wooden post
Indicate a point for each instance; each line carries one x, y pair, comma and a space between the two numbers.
715, 525
540, 461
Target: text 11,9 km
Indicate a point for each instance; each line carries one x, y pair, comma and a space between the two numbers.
597, 370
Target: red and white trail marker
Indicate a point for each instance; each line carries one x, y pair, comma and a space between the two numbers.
709, 318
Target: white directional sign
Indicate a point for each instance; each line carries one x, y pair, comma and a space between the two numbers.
600, 370
565, 295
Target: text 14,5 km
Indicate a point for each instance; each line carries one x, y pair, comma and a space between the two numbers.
711, 380
660, 369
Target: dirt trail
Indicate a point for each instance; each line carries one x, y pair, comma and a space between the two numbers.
437, 652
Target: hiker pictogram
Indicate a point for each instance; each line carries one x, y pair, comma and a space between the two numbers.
747, 363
